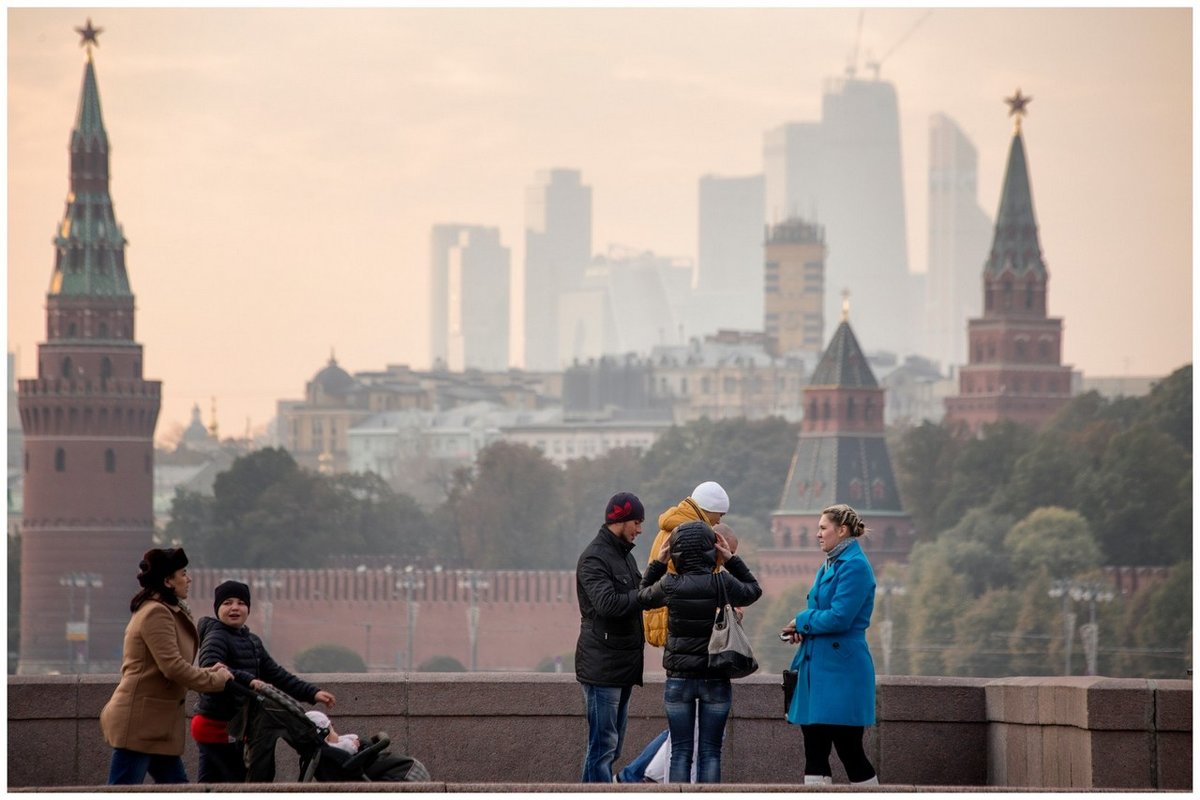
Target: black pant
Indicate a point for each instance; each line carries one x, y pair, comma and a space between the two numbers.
262, 732
848, 739
221, 763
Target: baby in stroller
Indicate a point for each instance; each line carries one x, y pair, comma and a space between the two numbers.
345, 758
325, 754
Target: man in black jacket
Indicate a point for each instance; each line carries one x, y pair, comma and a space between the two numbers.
225, 756
608, 655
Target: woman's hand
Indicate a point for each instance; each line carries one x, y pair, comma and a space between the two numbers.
222, 671
723, 553
326, 698
789, 634
664, 551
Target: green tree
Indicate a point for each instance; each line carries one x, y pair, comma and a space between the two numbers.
1055, 540
508, 516
329, 658
1162, 627
936, 597
1135, 499
981, 635
749, 458
587, 485
1047, 475
1169, 406
441, 664
924, 458
1036, 643
974, 549
191, 525
982, 465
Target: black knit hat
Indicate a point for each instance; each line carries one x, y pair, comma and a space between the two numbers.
158, 564
230, 589
622, 507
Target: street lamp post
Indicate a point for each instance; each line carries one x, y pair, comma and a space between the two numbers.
887, 588
474, 583
1061, 587
77, 632
410, 583
1091, 592
270, 582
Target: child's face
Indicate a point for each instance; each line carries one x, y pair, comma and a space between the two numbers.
233, 612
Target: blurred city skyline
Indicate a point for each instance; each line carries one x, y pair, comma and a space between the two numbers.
278, 171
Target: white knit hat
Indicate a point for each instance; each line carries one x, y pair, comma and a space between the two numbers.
711, 497
319, 718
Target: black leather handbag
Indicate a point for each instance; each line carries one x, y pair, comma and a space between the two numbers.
789, 688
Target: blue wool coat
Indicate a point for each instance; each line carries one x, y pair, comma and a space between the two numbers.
835, 674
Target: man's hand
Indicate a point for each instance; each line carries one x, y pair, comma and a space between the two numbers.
326, 698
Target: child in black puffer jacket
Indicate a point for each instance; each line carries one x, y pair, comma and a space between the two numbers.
246, 753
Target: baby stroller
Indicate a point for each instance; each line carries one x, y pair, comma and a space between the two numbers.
319, 760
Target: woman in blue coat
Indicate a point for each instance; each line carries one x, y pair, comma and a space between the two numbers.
835, 687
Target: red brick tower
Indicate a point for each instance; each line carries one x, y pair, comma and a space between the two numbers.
841, 457
88, 420
1014, 350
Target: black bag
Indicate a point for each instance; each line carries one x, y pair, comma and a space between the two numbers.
729, 652
789, 688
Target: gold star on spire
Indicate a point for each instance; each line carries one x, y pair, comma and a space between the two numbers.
845, 305
1016, 106
89, 36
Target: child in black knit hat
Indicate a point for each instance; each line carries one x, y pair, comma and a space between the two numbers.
237, 745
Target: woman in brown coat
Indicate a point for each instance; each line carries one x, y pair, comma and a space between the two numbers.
143, 720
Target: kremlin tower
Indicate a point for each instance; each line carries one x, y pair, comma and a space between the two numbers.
88, 420
841, 457
1014, 351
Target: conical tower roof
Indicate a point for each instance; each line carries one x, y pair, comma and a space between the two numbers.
1015, 245
843, 363
89, 245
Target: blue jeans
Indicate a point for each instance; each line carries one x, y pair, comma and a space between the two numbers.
635, 770
607, 710
680, 699
129, 767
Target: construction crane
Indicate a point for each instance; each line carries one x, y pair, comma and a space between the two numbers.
874, 64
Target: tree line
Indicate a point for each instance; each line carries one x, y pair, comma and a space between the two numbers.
1000, 518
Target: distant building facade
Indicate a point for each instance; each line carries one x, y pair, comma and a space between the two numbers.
1014, 370
794, 288
959, 234
88, 420
729, 281
558, 247
477, 301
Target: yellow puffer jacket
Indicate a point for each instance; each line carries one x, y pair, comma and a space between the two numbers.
655, 620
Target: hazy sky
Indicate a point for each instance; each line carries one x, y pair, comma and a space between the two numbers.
277, 171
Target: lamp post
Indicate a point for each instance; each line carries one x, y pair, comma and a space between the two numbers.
77, 632
473, 582
1091, 592
1061, 587
268, 580
887, 587
410, 583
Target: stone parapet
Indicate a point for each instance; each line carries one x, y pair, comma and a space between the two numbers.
528, 728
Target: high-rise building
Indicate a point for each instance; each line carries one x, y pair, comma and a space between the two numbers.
442, 237
729, 281
477, 301
845, 173
89, 419
1015, 370
959, 231
794, 289
558, 246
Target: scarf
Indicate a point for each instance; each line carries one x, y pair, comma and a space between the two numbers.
837, 551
